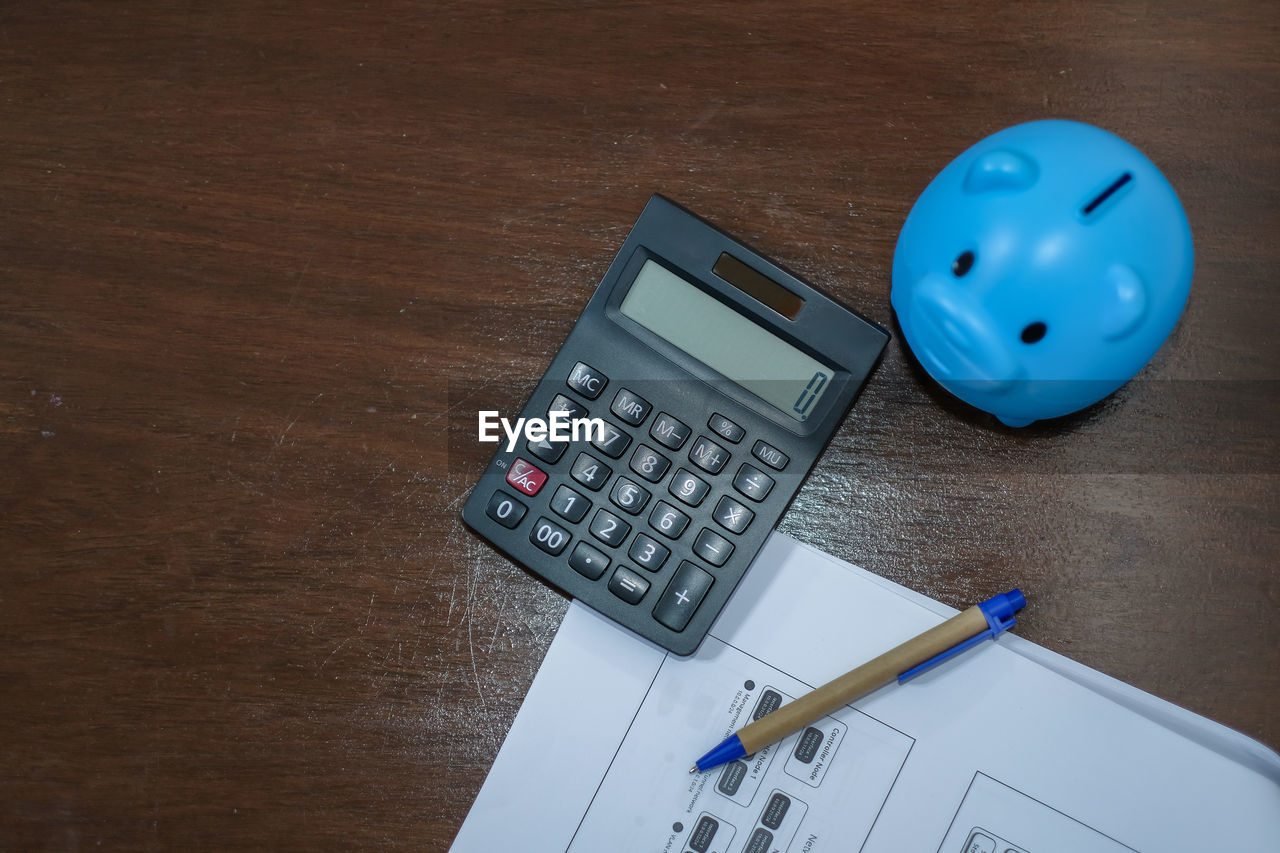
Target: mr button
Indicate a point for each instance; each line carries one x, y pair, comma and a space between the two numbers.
683, 595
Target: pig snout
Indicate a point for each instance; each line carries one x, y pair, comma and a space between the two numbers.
958, 339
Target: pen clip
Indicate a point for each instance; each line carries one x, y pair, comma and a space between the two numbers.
998, 609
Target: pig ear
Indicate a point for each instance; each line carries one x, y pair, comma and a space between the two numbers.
1000, 170
1124, 302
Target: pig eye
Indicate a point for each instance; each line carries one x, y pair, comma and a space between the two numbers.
1034, 332
962, 264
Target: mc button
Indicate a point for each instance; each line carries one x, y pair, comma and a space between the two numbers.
586, 380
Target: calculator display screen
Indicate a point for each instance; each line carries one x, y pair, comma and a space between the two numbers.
726, 341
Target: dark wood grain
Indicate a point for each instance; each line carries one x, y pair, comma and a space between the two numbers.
261, 262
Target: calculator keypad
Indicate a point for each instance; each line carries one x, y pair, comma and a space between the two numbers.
628, 585
688, 487
571, 408
731, 515
505, 509
587, 561
548, 451
770, 455
712, 547
622, 520
526, 476
725, 428
549, 536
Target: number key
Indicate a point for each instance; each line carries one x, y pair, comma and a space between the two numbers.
688, 488
630, 497
590, 471
668, 520
608, 528
649, 464
648, 552
611, 441
505, 509
569, 504
549, 536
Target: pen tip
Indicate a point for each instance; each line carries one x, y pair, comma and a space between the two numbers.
693, 769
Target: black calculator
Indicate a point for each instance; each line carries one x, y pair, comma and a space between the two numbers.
706, 380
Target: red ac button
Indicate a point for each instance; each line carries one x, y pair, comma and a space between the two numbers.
526, 477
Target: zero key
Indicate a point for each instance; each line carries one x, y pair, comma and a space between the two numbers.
688, 587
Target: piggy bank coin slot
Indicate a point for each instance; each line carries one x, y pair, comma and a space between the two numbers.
1101, 198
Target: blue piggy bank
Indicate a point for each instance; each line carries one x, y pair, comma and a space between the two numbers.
1041, 269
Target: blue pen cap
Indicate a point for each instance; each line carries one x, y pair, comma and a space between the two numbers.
999, 609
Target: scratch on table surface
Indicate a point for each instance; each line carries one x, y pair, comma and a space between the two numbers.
470, 395
497, 623
336, 649
311, 253
472, 584
279, 441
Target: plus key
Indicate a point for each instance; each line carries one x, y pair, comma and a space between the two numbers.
683, 595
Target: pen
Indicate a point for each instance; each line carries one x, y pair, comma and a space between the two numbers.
904, 662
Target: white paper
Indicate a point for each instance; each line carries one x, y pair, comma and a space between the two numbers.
1006, 748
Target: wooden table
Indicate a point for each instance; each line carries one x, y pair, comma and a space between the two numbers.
263, 262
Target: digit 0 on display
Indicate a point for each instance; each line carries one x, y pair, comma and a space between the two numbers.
719, 378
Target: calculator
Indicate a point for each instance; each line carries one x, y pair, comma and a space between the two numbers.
713, 379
